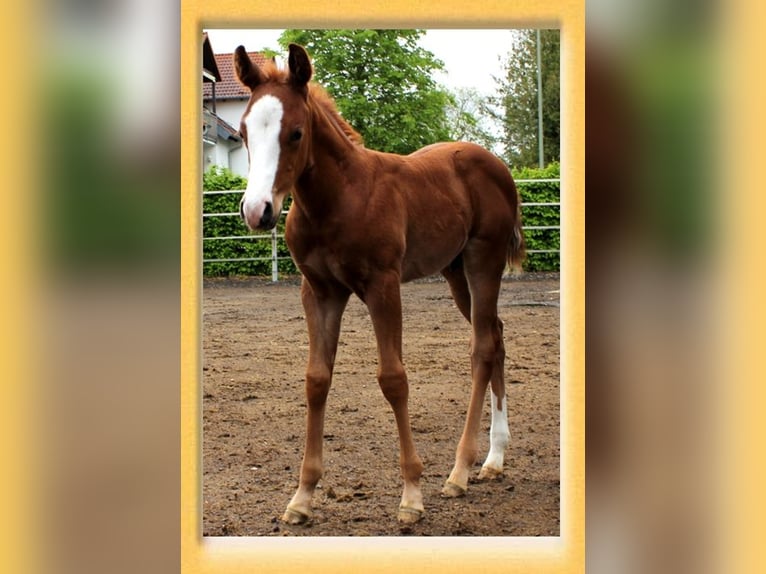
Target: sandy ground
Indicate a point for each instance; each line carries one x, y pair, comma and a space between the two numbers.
255, 346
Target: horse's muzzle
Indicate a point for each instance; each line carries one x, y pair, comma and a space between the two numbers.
267, 221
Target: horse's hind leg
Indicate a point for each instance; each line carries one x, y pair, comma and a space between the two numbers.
499, 434
458, 285
324, 309
483, 273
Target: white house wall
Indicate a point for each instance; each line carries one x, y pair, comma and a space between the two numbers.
238, 162
222, 153
209, 156
225, 154
231, 111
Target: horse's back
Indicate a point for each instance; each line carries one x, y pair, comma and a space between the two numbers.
473, 164
474, 172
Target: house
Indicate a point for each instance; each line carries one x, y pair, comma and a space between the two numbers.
224, 101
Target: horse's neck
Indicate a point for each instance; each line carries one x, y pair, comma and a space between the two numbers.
334, 160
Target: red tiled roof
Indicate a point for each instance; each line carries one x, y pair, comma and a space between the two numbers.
229, 87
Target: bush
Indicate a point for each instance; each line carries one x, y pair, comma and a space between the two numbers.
221, 179
541, 192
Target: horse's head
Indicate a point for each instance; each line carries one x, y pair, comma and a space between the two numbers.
275, 128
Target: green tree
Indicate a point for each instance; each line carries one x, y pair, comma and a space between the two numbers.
381, 81
470, 119
516, 98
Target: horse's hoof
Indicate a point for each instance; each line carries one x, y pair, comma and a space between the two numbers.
294, 516
409, 515
489, 473
453, 490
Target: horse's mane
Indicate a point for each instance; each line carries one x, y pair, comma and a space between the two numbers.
323, 100
317, 94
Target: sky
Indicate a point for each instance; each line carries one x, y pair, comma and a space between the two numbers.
471, 57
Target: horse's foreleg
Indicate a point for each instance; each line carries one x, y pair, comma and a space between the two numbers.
467, 449
324, 310
384, 302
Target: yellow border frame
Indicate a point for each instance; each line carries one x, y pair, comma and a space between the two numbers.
565, 553
19, 298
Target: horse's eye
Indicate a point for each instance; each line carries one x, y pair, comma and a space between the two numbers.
296, 135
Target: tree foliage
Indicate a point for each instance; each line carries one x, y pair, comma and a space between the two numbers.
470, 119
517, 98
381, 81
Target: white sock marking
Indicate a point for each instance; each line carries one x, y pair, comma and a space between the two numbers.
499, 434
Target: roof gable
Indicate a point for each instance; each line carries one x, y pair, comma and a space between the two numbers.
208, 60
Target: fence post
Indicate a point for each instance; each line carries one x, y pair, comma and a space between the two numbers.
274, 266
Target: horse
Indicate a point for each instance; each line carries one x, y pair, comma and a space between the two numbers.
362, 222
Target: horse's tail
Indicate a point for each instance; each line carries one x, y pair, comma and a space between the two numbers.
517, 248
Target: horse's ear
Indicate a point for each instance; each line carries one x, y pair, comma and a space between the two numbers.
247, 72
300, 66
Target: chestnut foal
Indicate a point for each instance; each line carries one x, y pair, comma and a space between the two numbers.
363, 222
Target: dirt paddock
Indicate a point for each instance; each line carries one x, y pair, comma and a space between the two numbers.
255, 347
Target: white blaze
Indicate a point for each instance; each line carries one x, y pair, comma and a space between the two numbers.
264, 123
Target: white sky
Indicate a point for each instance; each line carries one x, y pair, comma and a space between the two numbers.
471, 57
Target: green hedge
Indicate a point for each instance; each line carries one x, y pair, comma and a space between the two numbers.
217, 179
542, 192
223, 179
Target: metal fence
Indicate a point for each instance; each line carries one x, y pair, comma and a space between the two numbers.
275, 237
